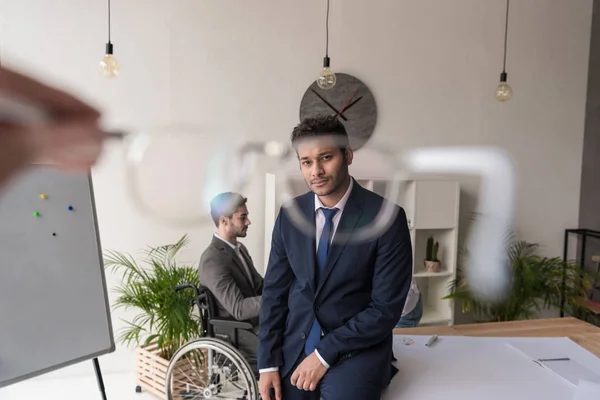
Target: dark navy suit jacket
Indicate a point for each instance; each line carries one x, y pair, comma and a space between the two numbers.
359, 299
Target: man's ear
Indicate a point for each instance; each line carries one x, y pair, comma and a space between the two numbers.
349, 155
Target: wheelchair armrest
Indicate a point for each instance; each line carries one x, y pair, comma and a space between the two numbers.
230, 324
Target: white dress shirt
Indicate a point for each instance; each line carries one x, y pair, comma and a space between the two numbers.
320, 217
320, 224
412, 298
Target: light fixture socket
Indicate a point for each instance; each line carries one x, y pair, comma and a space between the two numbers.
109, 48
503, 76
326, 62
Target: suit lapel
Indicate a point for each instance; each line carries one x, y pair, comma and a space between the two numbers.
229, 252
241, 267
251, 268
350, 217
307, 242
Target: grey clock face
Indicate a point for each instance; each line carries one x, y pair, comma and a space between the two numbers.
359, 115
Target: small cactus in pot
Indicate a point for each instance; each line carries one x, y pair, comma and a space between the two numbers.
432, 263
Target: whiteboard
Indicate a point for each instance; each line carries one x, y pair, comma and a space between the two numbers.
54, 308
465, 368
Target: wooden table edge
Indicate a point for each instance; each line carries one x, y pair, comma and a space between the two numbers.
581, 332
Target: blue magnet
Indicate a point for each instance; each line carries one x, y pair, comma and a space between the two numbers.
70, 208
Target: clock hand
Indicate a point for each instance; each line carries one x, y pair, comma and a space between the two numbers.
346, 105
330, 106
350, 105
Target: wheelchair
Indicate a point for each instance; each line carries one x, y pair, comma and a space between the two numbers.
211, 367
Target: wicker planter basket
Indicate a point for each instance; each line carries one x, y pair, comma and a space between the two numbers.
152, 372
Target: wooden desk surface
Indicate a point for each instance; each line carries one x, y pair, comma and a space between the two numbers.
581, 332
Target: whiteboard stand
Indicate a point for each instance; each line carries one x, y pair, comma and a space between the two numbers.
99, 377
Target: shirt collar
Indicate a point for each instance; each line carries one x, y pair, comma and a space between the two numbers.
233, 246
341, 204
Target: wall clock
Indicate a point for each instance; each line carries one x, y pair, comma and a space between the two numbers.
359, 115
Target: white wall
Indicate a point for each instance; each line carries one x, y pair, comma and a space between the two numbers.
244, 66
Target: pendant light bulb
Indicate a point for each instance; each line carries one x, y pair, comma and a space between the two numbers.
503, 90
326, 79
109, 66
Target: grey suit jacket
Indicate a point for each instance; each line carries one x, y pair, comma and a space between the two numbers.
223, 273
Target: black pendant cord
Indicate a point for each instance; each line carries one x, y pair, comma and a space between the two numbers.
108, 21
109, 45
327, 32
505, 37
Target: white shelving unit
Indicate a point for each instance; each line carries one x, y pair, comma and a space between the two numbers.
432, 208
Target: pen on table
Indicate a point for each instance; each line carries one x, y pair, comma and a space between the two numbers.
554, 359
431, 340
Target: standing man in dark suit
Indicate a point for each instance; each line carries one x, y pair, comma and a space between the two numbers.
329, 306
227, 270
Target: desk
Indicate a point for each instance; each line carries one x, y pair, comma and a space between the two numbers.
581, 332
462, 371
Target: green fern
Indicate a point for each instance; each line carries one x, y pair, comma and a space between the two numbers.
164, 316
537, 284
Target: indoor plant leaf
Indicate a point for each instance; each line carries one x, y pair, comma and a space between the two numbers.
537, 283
148, 287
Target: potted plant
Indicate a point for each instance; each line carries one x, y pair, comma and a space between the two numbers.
432, 264
537, 283
164, 320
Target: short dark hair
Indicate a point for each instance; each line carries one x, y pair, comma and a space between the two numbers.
322, 125
225, 204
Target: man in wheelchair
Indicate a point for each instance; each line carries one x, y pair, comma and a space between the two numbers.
227, 271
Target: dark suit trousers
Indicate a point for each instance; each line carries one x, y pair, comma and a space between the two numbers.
247, 346
354, 378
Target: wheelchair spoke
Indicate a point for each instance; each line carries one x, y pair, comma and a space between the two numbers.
210, 370
189, 380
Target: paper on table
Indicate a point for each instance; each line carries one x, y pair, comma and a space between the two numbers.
488, 369
586, 391
571, 371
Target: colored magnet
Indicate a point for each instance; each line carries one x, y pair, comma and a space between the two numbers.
43, 196
70, 208
36, 214
54, 234
407, 341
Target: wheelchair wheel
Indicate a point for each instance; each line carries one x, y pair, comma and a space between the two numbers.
209, 368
